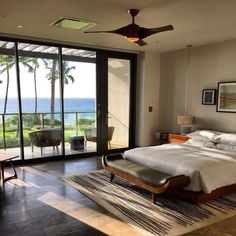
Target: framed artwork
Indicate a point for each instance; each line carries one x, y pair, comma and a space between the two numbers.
226, 101
209, 96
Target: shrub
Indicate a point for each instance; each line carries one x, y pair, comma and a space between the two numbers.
85, 121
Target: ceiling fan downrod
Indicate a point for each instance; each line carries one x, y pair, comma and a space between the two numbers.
133, 13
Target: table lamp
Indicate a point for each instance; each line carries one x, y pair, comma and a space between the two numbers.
185, 122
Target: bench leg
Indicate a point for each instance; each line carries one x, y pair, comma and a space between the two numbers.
112, 177
154, 198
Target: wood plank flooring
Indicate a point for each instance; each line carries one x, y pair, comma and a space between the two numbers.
39, 203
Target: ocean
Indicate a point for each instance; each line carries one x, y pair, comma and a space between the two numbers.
86, 107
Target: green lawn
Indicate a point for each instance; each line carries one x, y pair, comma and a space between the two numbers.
12, 138
13, 141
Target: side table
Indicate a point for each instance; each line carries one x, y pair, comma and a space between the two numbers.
4, 157
161, 138
178, 138
76, 142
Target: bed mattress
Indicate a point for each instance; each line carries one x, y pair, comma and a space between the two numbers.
208, 168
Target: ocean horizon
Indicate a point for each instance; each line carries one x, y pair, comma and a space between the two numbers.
86, 107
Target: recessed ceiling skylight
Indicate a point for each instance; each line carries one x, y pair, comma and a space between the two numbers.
73, 23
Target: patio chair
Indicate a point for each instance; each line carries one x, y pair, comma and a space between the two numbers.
50, 137
91, 135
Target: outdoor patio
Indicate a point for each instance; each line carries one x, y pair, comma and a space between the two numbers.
49, 151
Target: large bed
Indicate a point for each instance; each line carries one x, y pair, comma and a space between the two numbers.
209, 158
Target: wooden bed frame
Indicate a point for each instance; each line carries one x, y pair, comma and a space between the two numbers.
199, 197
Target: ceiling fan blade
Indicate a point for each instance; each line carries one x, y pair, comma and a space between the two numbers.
87, 32
145, 32
125, 31
140, 42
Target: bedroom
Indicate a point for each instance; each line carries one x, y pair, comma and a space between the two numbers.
162, 75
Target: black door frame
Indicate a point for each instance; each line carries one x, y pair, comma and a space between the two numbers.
102, 98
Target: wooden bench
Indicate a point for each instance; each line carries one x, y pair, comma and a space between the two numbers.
152, 180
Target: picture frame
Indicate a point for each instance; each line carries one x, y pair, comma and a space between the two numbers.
209, 96
226, 101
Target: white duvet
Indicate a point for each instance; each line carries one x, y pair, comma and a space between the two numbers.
208, 168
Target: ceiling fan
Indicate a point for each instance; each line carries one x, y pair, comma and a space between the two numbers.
134, 32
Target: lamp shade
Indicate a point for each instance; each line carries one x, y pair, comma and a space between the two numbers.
184, 120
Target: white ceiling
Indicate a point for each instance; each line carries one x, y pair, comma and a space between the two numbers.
196, 22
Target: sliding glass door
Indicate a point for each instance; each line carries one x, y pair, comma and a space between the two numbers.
57, 101
40, 100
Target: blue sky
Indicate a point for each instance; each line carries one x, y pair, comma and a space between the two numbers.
83, 87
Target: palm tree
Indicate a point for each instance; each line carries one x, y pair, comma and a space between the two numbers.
52, 76
32, 64
6, 63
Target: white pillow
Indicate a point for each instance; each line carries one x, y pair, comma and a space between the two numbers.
226, 138
226, 147
204, 134
196, 142
200, 142
210, 144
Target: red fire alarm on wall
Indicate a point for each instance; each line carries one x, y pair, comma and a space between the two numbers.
150, 108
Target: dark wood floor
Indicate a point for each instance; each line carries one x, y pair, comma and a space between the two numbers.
39, 203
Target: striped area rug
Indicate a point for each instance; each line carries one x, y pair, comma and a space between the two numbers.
170, 216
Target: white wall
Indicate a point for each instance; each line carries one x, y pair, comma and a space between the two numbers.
147, 95
209, 65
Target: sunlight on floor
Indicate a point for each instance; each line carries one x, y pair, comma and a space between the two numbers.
34, 171
83, 213
22, 183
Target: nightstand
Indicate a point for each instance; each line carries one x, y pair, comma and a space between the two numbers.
178, 138
161, 138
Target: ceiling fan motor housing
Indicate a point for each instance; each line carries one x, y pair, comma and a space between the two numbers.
133, 12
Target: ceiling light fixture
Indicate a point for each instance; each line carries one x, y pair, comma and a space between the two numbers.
73, 23
132, 39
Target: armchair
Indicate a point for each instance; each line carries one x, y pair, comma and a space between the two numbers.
91, 135
46, 138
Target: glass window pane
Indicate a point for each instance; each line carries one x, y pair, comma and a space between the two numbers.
79, 70
40, 98
9, 122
